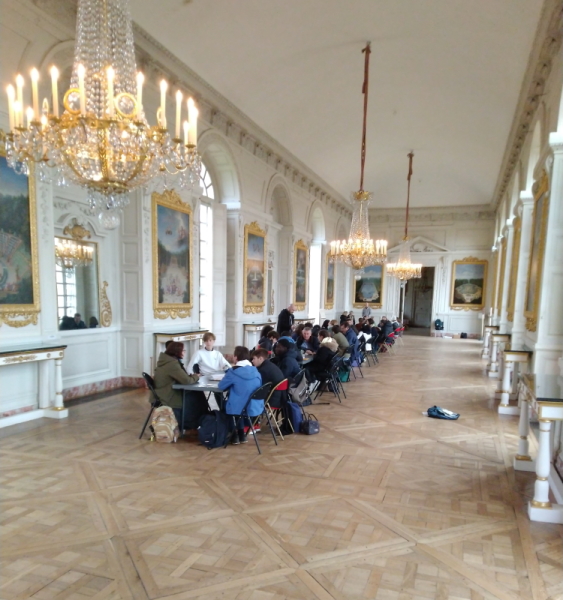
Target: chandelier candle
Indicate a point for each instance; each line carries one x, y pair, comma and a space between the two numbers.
102, 140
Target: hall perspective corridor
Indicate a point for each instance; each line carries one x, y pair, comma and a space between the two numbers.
384, 504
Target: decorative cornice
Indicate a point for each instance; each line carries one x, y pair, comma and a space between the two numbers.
478, 212
546, 45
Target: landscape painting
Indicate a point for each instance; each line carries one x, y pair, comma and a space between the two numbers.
301, 276
19, 293
369, 287
254, 268
172, 255
469, 278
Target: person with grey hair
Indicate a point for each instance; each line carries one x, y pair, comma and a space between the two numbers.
366, 311
307, 342
285, 319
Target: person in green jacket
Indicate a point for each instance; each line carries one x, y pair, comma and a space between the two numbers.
169, 371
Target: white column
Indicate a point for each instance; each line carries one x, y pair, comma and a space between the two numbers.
523, 461
486, 339
492, 367
543, 465
505, 325
44, 384
505, 382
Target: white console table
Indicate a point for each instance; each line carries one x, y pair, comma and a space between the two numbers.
515, 362
488, 330
251, 332
542, 397
40, 353
191, 338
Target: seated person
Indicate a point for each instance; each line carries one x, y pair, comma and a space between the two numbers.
352, 338
269, 372
395, 323
67, 323
386, 328
326, 324
325, 353
78, 322
306, 342
286, 359
297, 332
169, 370
209, 360
340, 339
273, 336
93, 323
241, 381
264, 341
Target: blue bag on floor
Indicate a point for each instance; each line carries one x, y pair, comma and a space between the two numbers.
295, 414
437, 412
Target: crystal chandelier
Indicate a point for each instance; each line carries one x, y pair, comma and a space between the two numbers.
404, 269
102, 141
70, 254
360, 250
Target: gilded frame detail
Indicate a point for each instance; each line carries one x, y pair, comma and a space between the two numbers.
357, 285
514, 263
503, 248
537, 251
300, 265
470, 260
253, 270
330, 277
169, 199
20, 315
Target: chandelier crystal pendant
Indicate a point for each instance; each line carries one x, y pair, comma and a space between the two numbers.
102, 141
70, 254
360, 250
404, 269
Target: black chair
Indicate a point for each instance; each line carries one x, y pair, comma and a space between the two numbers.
156, 402
330, 379
351, 352
363, 352
261, 393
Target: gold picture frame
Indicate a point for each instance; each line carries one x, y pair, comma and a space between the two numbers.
20, 302
514, 263
369, 288
172, 256
469, 271
537, 250
330, 283
501, 274
254, 276
300, 274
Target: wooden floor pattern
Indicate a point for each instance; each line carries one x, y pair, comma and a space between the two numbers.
384, 504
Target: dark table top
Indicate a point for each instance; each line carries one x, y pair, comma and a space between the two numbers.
30, 347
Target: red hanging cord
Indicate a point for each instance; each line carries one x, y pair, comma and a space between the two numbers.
411, 156
367, 52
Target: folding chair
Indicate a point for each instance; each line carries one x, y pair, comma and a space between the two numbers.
282, 386
390, 342
156, 402
330, 377
261, 393
373, 350
358, 366
363, 352
399, 335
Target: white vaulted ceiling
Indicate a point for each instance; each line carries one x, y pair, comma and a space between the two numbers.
444, 81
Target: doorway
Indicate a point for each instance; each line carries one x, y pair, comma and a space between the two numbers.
418, 301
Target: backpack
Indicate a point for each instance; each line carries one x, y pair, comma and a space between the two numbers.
295, 414
213, 430
299, 390
164, 425
437, 412
344, 374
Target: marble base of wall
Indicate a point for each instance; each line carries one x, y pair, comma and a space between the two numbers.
441, 334
17, 411
102, 386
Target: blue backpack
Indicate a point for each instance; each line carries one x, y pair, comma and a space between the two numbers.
213, 430
295, 414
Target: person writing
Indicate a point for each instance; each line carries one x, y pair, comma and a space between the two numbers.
269, 372
169, 371
306, 342
209, 360
286, 358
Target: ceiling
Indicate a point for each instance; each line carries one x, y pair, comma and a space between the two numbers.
445, 77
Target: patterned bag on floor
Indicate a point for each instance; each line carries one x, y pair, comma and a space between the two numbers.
164, 425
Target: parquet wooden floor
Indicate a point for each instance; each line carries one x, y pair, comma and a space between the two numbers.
384, 504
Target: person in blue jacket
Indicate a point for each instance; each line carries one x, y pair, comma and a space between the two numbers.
241, 381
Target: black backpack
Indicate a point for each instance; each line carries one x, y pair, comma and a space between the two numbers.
213, 430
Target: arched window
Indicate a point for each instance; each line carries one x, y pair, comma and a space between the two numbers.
206, 183
206, 251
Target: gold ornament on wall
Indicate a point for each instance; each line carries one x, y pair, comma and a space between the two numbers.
517, 224
106, 316
503, 250
300, 274
469, 284
537, 251
77, 231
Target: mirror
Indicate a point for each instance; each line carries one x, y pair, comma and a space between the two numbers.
78, 303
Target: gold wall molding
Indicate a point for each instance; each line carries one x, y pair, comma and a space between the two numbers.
106, 316
77, 231
20, 359
514, 263
249, 307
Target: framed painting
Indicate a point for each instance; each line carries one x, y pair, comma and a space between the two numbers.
469, 280
19, 272
517, 224
301, 274
254, 289
537, 249
172, 238
503, 248
329, 283
369, 288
